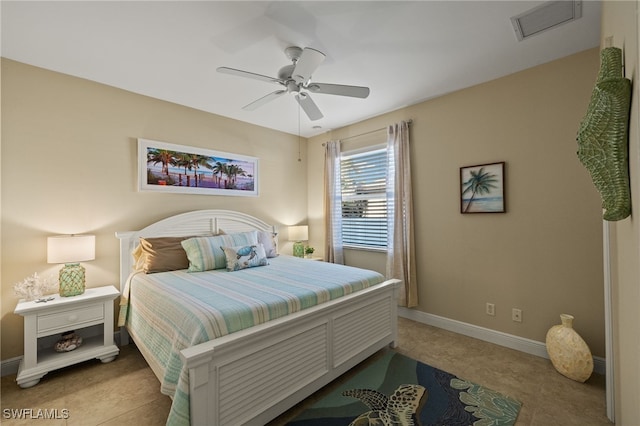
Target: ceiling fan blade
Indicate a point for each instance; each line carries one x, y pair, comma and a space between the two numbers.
240, 73
309, 61
263, 100
309, 107
339, 89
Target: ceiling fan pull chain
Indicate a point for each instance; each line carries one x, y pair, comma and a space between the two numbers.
299, 159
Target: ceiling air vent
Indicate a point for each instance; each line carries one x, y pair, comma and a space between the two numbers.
546, 16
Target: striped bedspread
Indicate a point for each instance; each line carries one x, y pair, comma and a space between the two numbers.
169, 311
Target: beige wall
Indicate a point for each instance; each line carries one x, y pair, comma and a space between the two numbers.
620, 27
69, 166
544, 255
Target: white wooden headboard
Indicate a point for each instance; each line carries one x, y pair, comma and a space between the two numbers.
199, 222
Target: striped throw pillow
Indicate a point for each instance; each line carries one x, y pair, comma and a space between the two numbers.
205, 253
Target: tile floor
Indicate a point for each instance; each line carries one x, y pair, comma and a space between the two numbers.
125, 391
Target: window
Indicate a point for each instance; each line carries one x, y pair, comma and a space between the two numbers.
364, 198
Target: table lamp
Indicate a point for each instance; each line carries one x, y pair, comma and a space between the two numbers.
71, 250
298, 234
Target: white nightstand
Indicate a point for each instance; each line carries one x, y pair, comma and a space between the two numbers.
93, 307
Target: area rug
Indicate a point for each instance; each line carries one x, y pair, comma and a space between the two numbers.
397, 390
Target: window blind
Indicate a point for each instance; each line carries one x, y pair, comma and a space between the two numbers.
364, 199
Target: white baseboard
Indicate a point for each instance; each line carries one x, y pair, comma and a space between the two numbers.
521, 344
10, 366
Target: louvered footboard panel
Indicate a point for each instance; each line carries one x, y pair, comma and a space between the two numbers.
252, 383
356, 330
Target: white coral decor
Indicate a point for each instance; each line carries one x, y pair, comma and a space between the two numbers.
34, 287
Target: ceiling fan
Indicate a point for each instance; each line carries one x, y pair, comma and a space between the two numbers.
296, 77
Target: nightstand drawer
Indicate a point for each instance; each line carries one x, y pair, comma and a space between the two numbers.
70, 319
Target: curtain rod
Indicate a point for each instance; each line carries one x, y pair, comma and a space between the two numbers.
369, 132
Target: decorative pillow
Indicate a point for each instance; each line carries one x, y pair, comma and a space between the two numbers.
205, 253
242, 257
268, 240
162, 254
138, 258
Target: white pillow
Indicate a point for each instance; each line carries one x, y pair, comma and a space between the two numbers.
247, 256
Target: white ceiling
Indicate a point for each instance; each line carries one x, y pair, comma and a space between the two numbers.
405, 51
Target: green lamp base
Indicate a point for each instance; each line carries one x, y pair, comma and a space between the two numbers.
71, 280
298, 249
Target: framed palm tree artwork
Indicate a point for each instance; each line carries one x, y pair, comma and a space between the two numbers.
165, 167
482, 188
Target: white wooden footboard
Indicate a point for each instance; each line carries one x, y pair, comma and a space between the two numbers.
252, 376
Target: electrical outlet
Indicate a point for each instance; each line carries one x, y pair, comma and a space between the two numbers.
516, 315
491, 309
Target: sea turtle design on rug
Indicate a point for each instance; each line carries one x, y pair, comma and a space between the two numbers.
395, 410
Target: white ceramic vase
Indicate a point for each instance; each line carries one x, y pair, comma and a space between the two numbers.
569, 353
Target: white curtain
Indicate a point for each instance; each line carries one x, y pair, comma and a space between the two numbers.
333, 203
400, 246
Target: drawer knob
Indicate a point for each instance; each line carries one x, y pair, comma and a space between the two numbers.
73, 317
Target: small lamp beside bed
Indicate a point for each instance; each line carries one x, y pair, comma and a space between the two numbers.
71, 250
298, 234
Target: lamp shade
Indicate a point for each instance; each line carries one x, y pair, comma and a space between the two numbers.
299, 233
71, 248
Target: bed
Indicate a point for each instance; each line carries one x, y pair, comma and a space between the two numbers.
254, 371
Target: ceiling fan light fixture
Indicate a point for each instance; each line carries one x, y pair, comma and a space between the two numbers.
297, 76
292, 87
300, 79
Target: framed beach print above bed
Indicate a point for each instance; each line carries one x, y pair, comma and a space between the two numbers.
166, 167
482, 188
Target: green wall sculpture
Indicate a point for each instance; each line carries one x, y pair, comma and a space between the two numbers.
603, 136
